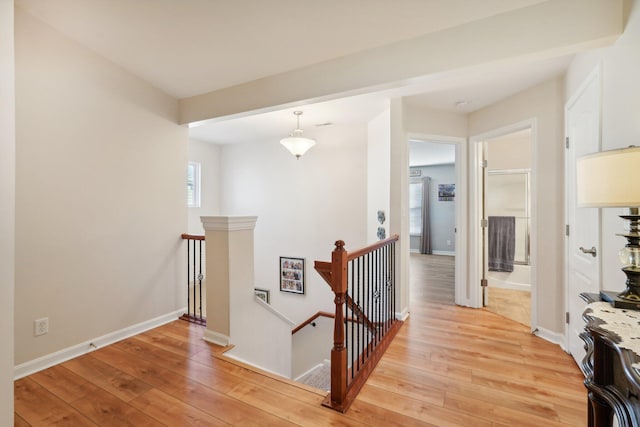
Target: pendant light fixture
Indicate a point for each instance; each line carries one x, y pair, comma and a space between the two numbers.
295, 142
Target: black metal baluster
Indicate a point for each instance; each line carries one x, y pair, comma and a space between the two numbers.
361, 302
193, 260
392, 277
387, 290
372, 308
188, 273
200, 277
374, 297
356, 315
353, 296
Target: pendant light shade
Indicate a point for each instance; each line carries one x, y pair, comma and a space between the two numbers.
296, 143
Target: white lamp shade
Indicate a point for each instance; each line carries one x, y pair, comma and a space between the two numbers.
609, 178
297, 145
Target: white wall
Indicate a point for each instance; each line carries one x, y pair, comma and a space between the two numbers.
303, 207
260, 337
100, 194
544, 103
208, 155
620, 121
426, 121
7, 209
311, 346
378, 169
510, 152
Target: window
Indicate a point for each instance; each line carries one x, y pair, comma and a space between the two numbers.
193, 185
415, 208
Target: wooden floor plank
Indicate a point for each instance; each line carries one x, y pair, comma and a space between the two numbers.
20, 422
37, 406
106, 409
297, 412
419, 409
496, 411
205, 393
172, 411
65, 384
447, 366
408, 381
107, 377
374, 415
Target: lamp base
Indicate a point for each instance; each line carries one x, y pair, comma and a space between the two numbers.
617, 302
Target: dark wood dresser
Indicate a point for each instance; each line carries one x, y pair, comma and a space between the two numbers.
612, 363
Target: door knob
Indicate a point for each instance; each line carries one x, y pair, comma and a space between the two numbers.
591, 251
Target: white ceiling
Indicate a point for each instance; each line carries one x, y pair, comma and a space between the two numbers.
190, 47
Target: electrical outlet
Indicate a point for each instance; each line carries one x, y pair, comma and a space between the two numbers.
448, 242
41, 326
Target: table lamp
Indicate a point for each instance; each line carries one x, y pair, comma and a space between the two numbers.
608, 179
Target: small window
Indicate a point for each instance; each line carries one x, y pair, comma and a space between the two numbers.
415, 208
193, 185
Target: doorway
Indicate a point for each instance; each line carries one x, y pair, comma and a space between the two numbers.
507, 211
502, 220
432, 216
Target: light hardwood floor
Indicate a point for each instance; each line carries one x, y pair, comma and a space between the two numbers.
510, 303
448, 366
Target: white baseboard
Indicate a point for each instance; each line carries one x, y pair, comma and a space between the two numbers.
308, 371
403, 315
44, 362
552, 337
446, 253
216, 338
505, 284
230, 355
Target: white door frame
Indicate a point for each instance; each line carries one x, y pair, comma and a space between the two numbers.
461, 220
475, 212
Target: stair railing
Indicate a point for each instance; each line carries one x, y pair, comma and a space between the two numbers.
310, 321
363, 282
195, 276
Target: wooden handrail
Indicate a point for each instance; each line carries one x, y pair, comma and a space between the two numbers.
378, 327
372, 247
324, 270
186, 236
311, 319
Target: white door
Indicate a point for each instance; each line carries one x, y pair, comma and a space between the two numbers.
582, 116
485, 226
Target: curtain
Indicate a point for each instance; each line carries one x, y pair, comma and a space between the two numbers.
425, 241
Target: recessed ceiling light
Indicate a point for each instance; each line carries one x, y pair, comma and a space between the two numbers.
461, 103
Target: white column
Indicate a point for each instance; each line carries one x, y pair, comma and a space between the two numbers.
399, 203
229, 262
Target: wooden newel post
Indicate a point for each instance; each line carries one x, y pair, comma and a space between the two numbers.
339, 270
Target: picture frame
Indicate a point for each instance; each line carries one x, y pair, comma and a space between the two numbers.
292, 275
263, 294
446, 192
